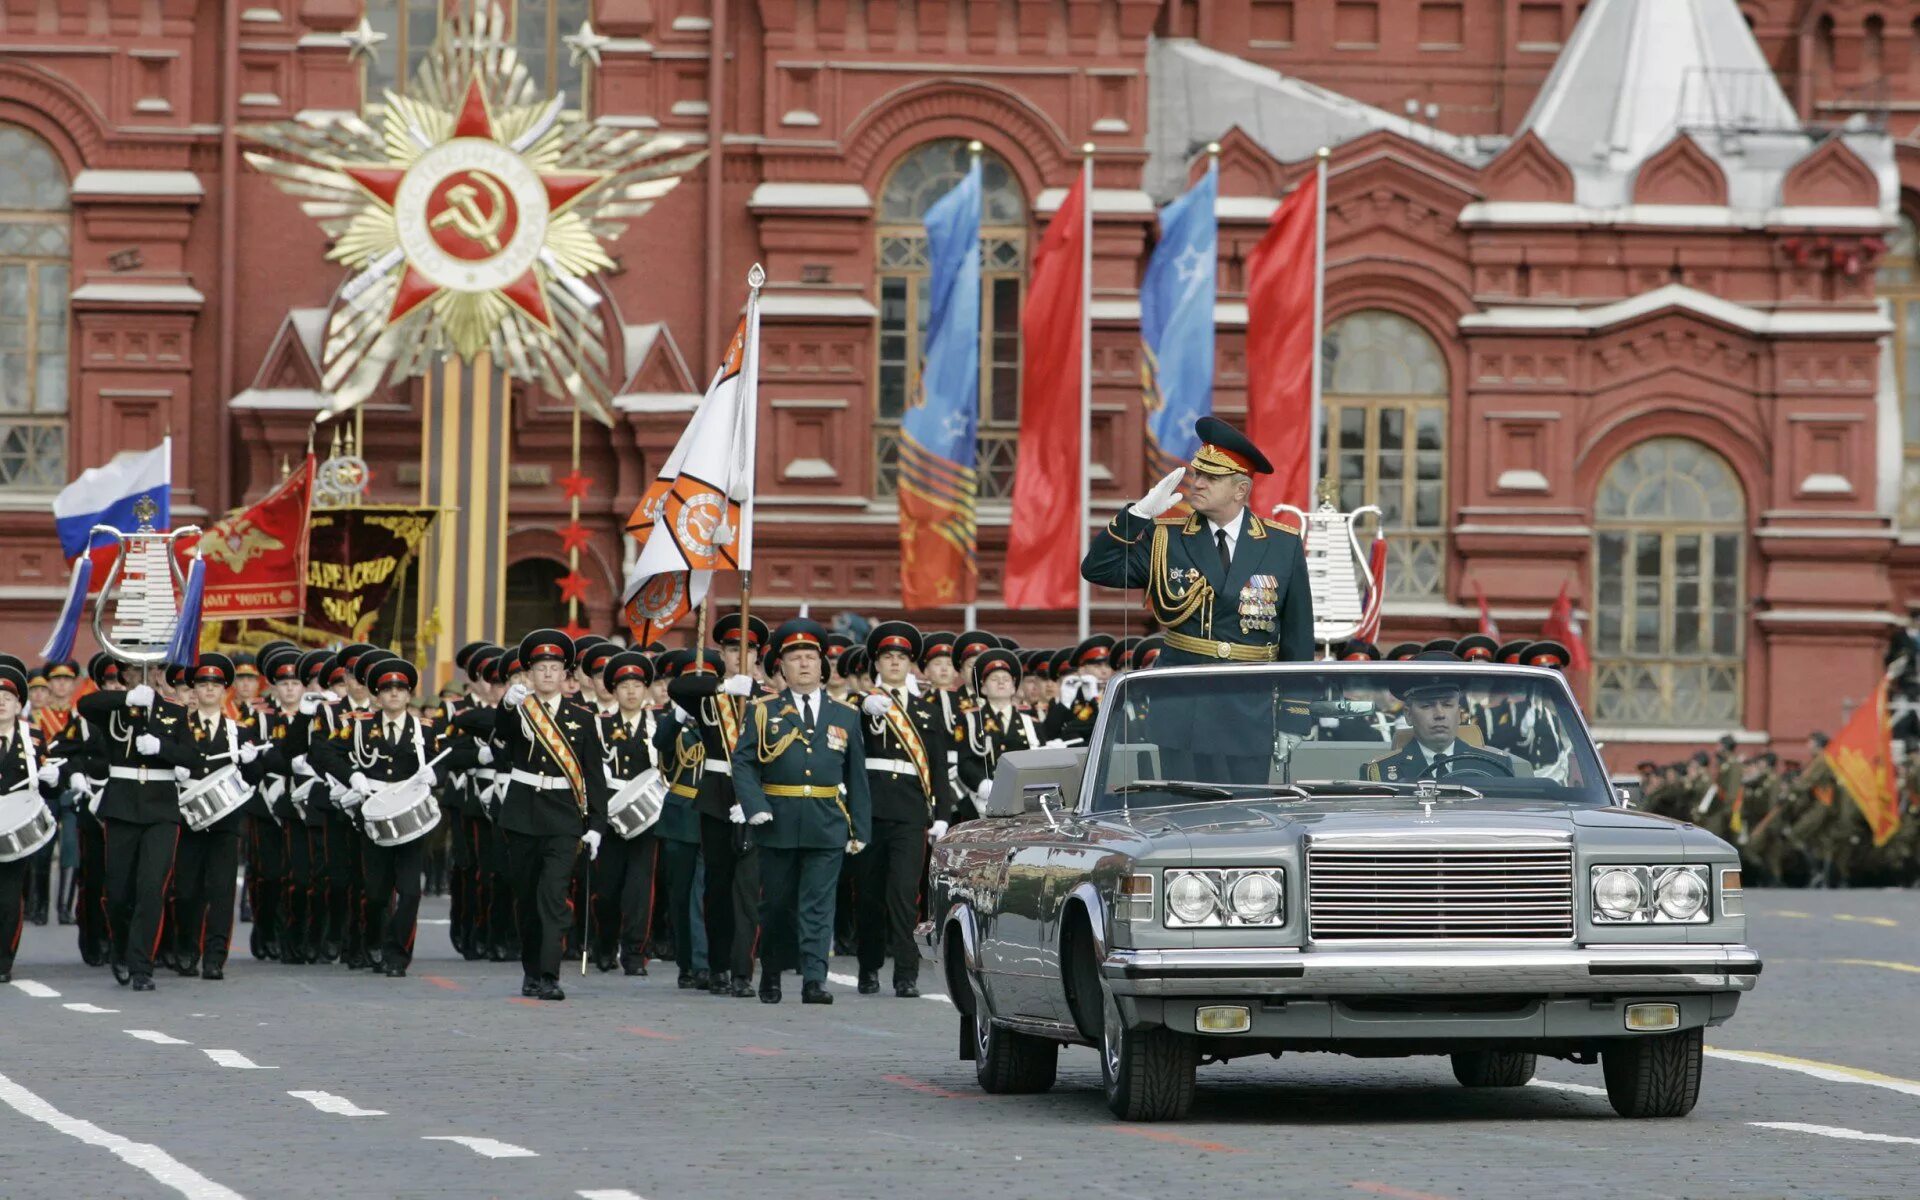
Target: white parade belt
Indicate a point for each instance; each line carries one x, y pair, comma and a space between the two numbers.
719, 766
544, 783
142, 774
896, 766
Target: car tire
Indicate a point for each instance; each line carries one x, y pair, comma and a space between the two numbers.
1654, 1076
1148, 1073
1007, 1062
1493, 1068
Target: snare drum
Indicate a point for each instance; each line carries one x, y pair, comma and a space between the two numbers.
636, 806
208, 800
26, 824
400, 812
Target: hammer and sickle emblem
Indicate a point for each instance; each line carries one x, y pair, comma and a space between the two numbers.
464, 214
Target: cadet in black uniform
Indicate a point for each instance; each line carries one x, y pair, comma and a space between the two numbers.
996, 727
23, 764
209, 858
623, 877
140, 739
1070, 722
555, 803
280, 833
79, 746
906, 756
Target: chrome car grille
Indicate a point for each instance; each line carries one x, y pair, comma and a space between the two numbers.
1426, 894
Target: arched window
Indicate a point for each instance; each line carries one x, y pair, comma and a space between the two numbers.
1384, 384
922, 177
533, 595
1669, 535
408, 27
1899, 286
35, 257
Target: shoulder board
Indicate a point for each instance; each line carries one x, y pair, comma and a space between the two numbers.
846, 704
363, 716
1282, 524
766, 699
1169, 520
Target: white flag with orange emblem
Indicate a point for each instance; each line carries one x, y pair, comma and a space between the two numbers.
697, 518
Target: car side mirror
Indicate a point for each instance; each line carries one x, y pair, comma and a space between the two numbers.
1005, 800
1043, 798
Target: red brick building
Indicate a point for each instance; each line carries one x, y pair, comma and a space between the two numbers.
1628, 301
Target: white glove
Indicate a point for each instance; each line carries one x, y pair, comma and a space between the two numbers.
936, 831
309, 704
680, 714
738, 685
591, 840
1164, 495
182, 775
139, 696
1283, 744
760, 818
351, 799
516, 696
147, 744
486, 755
737, 815
877, 704
613, 781
50, 774
360, 783
428, 776
301, 766
983, 791
855, 847
250, 751
93, 801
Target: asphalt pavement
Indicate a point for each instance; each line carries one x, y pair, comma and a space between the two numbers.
318, 1081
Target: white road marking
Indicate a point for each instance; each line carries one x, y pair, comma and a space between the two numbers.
88, 1008
610, 1194
434, 921
1831, 1072
162, 1167
156, 1037
1832, 1131
853, 981
339, 1106
38, 990
486, 1146
236, 1060
1579, 1089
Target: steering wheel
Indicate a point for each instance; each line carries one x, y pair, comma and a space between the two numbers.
1468, 765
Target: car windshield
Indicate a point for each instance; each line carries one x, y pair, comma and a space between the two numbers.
1343, 732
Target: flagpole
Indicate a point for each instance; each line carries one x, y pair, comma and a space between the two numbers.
750, 362
971, 619
1086, 375
1319, 318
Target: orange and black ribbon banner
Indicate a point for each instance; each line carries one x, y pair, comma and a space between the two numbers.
555, 744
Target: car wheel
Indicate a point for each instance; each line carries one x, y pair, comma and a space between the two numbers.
1493, 1068
1007, 1062
1148, 1073
1654, 1076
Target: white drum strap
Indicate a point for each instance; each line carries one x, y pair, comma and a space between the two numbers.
26, 747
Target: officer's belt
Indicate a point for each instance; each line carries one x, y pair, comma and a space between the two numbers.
681, 789
544, 783
142, 774
719, 766
893, 766
1229, 651
802, 791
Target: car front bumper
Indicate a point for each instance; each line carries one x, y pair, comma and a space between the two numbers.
1581, 970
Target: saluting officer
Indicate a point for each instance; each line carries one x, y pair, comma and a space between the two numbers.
623, 876
906, 757
997, 727
556, 801
141, 739
1224, 583
799, 748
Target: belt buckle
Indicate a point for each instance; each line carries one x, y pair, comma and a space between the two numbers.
1222, 650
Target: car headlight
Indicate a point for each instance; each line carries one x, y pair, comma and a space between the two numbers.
1225, 898
1661, 894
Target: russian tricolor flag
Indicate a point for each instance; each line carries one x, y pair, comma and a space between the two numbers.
105, 496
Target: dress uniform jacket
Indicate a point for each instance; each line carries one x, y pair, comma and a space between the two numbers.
214, 749
552, 811
681, 755
1070, 724
140, 787
986, 734
714, 720
894, 765
1259, 610
796, 774
1405, 764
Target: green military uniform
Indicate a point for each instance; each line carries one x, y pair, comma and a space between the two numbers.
789, 773
1407, 763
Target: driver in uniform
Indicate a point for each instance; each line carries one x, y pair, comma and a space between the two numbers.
1435, 709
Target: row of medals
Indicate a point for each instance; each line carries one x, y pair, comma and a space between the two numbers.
1259, 601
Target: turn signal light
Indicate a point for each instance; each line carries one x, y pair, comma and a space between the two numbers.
1653, 1018
1222, 1018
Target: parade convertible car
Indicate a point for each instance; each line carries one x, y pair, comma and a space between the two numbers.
1375, 859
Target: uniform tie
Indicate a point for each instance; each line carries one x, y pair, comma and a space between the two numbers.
393, 733
1226, 554
806, 711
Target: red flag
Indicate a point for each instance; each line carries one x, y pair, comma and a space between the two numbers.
1488, 625
1563, 628
1377, 594
1043, 545
1280, 350
1861, 755
257, 557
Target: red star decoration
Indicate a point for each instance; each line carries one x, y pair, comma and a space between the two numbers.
575, 630
574, 536
528, 292
575, 485
573, 586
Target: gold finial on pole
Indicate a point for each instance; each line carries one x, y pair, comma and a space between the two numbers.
1213, 149
1323, 152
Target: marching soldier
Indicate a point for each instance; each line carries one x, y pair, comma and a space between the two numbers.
556, 801
682, 755
141, 738
798, 749
23, 764
996, 727
456, 807
623, 877
1223, 583
906, 753
276, 822
309, 880
209, 858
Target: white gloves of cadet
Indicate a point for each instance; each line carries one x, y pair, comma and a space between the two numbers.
301, 766
1163, 496
516, 696
360, 783
760, 818
182, 775
485, 754
139, 696
309, 704
50, 774
680, 714
428, 776
147, 744
854, 847
591, 840
936, 831
250, 751
981, 793
738, 685
737, 815
877, 704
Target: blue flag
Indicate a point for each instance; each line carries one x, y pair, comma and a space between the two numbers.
938, 567
1176, 323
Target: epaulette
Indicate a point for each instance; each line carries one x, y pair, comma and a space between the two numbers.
1282, 525
363, 716
756, 701
1169, 520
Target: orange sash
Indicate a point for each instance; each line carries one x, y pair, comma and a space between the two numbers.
554, 743
902, 726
